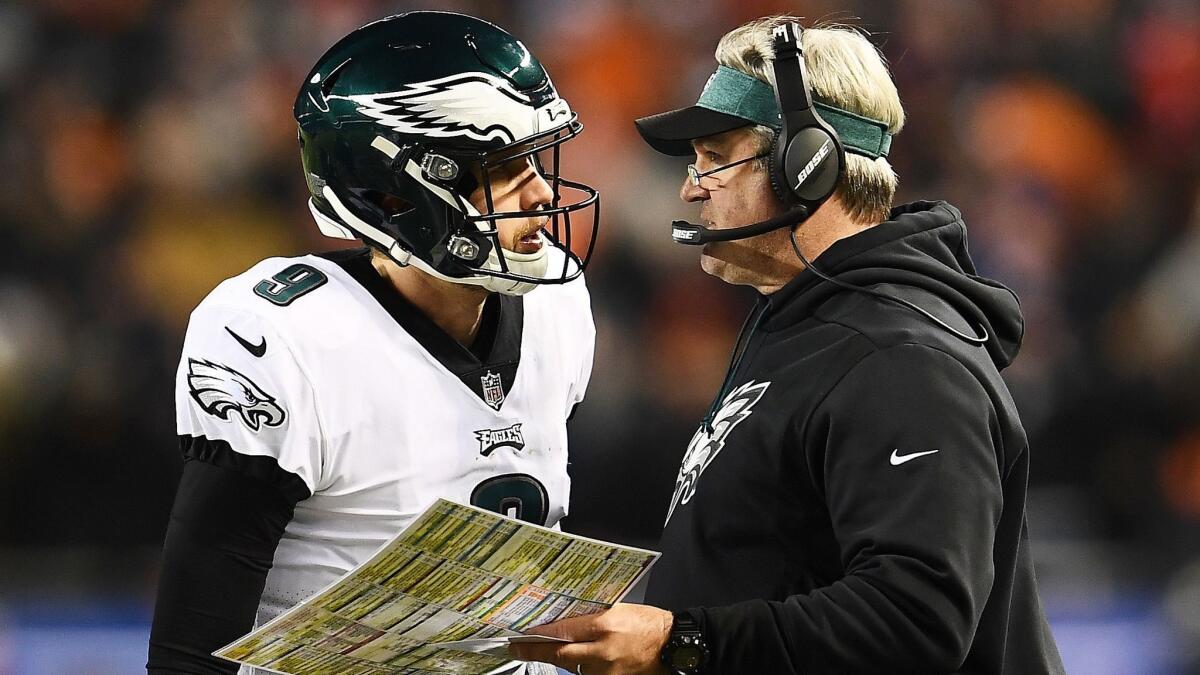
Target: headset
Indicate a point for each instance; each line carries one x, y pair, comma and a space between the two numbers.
806, 160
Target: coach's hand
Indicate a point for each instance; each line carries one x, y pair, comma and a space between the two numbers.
626, 639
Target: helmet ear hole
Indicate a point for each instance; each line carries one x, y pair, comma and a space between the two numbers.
391, 205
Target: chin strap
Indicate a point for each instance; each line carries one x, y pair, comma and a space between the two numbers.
526, 264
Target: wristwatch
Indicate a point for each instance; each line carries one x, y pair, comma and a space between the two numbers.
685, 652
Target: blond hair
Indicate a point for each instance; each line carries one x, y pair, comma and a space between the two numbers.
844, 70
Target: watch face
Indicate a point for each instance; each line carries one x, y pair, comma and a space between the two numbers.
686, 656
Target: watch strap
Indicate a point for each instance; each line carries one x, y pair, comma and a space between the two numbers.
687, 639
684, 621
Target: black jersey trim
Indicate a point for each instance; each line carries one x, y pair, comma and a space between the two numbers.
497, 348
259, 467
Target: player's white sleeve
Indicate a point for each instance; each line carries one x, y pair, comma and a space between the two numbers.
239, 382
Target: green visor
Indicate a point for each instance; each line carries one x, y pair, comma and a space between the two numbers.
733, 99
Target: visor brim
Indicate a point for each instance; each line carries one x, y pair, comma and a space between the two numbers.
672, 132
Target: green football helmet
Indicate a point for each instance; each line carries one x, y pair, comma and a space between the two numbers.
400, 122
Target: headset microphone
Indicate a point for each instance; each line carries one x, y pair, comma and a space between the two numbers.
692, 234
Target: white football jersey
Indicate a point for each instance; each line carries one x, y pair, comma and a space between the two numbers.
316, 362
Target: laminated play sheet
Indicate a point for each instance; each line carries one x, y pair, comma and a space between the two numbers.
444, 596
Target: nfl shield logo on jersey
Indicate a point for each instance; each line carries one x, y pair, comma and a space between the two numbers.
493, 390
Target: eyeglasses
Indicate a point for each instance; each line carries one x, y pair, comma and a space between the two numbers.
697, 175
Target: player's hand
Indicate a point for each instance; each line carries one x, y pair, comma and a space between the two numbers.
626, 639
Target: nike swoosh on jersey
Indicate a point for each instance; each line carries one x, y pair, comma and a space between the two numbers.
255, 349
898, 459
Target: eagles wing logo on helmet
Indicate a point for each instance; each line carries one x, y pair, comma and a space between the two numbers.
477, 105
221, 390
705, 447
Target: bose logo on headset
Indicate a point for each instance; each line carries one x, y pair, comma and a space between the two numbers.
682, 234
812, 163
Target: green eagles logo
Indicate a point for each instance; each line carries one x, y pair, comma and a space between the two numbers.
222, 391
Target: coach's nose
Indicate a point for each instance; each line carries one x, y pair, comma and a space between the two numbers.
690, 192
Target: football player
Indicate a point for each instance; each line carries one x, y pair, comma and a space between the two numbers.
324, 401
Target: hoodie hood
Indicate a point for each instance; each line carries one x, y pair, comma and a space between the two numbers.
922, 245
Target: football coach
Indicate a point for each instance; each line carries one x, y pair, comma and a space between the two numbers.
854, 500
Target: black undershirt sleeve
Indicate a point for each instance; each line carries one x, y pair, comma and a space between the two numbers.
230, 512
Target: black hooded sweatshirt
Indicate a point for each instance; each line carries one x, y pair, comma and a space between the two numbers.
859, 506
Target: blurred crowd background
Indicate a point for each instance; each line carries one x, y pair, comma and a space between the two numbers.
147, 151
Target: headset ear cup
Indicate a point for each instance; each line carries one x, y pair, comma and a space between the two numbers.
814, 159
775, 170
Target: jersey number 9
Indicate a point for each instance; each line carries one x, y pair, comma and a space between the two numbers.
291, 283
516, 495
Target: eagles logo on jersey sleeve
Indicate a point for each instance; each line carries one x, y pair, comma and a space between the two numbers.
238, 383
221, 391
